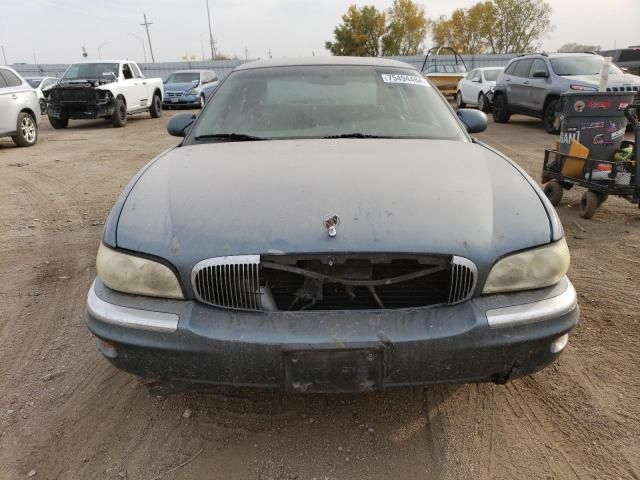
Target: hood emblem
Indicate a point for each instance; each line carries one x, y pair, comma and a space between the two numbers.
331, 222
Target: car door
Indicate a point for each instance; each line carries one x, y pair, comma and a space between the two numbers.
464, 86
145, 92
535, 90
131, 87
519, 82
11, 90
475, 86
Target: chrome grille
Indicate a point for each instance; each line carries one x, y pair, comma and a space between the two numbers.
228, 282
234, 282
464, 276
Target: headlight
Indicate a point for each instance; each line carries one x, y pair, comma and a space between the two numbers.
536, 268
583, 88
193, 91
136, 275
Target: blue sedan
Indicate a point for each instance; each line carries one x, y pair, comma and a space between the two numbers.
189, 88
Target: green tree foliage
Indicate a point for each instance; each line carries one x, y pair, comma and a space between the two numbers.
406, 30
369, 32
464, 31
495, 26
359, 34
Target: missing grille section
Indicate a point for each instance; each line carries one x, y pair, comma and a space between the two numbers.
356, 283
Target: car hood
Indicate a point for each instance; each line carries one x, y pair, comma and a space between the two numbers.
271, 197
615, 80
179, 87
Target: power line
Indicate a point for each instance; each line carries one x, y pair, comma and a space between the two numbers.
146, 25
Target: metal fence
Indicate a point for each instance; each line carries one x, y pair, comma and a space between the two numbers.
150, 70
223, 67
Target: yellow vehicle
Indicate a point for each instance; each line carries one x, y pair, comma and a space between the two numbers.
444, 71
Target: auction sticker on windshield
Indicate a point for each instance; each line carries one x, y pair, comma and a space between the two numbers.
402, 78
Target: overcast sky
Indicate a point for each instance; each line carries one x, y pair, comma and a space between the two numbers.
55, 30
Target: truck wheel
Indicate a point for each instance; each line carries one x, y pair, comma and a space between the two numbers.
549, 117
589, 203
156, 107
500, 109
119, 117
27, 129
459, 101
553, 190
58, 123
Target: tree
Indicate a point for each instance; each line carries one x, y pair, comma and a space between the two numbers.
406, 30
495, 26
577, 47
359, 34
464, 30
517, 25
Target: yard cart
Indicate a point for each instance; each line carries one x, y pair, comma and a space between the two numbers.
619, 176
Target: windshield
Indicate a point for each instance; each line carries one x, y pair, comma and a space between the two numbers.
91, 71
185, 77
580, 65
34, 82
324, 101
491, 75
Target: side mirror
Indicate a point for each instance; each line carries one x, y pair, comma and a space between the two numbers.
474, 120
540, 74
179, 124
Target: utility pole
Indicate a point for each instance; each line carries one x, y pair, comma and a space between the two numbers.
213, 49
246, 54
3, 55
146, 25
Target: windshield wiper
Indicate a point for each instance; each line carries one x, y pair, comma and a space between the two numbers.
234, 137
355, 135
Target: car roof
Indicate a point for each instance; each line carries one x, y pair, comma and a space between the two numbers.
194, 70
489, 68
325, 61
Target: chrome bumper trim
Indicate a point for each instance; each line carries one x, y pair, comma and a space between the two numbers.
130, 317
534, 312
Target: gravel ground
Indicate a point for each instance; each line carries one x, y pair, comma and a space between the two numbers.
65, 413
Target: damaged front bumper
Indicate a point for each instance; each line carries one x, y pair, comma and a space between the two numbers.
490, 338
81, 104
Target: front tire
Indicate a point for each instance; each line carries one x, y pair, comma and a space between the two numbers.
156, 107
27, 129
549, 117
459, 101
58, 123
483, 103
203, 100
119, 117
500, 109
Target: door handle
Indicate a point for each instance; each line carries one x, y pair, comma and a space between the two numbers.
144, 83
507, 80
526, 83
14, 96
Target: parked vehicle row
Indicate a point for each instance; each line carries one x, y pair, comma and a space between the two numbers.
532, 84
89, 90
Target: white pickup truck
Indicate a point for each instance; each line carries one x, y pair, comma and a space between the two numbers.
112, 90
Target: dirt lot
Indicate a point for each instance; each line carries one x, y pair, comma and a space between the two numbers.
66, 413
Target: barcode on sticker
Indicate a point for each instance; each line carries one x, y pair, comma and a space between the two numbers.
402, 78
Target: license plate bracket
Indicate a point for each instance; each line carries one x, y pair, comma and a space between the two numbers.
331, 371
